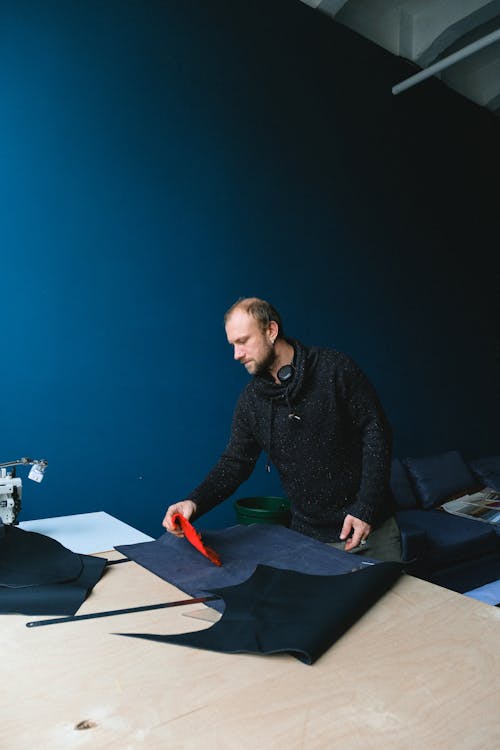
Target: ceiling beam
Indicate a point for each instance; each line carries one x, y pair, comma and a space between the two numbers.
461, 54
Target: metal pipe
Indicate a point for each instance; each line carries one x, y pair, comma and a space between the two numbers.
24, 461
494, 36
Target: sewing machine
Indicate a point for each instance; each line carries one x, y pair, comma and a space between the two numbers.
11, 486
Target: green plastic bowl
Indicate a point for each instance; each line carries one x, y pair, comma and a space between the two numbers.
263, 510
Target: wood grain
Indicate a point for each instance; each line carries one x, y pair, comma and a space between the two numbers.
420, 670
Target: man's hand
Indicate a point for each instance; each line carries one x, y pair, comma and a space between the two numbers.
360, 531
186, 508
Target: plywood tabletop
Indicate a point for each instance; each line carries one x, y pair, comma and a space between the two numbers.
420, 670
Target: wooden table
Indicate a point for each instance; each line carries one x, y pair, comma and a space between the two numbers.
419, 671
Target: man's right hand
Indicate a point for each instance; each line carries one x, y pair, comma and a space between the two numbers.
186, 508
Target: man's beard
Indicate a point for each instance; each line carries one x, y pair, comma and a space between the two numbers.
264, 365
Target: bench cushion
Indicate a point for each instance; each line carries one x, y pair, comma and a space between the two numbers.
449, 539
439, 477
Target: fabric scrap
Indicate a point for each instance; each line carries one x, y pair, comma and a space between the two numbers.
39, 576
241, 548
282, 611
30, 559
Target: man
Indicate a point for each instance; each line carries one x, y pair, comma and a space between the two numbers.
319, 419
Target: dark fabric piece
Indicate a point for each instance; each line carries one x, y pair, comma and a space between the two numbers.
241, 549
31, 559
332, 461
402, 491
487, 471
39, 576
57, 598
278, 611
439, 477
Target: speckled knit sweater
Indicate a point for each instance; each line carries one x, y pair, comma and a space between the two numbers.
332, 461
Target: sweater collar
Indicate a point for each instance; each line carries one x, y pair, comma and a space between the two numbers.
265, 385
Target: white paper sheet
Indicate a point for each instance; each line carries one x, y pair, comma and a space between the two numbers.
87, 533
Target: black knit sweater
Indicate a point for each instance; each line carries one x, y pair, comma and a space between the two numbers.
332, 461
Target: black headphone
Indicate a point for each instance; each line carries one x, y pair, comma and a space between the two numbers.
285, 375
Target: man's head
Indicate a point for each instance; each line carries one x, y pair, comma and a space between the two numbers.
252, 328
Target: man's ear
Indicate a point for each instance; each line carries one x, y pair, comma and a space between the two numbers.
273, 330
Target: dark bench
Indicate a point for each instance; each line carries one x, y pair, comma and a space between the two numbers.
454, 552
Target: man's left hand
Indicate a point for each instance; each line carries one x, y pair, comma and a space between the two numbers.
359, 529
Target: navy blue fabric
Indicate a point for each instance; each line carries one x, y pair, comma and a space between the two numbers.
241, 549
39, 576
31, 559
487, 471
54, 598
439, 477
277, 611
450, 539
402, 491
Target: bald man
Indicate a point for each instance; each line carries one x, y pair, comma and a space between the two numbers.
318, 418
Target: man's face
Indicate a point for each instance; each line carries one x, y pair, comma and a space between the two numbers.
252, 345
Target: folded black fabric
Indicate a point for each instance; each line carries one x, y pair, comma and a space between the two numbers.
31, 559
241, 548
39, 576
284, 611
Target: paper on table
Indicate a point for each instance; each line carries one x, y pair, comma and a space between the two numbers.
87, 533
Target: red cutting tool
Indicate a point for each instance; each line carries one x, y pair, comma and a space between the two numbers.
195, 539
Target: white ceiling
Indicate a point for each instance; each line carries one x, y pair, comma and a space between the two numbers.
426, 32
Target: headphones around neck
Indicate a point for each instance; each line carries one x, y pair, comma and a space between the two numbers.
285, 375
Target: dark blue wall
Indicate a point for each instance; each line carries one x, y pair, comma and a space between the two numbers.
162, 158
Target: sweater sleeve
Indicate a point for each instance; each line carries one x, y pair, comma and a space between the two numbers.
367, 415
233, 467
